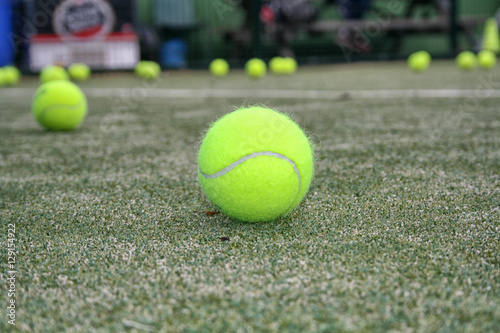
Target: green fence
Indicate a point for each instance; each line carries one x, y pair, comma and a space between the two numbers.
220, 30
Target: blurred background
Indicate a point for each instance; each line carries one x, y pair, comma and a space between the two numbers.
116, 34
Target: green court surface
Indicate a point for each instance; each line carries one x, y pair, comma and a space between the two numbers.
399, 231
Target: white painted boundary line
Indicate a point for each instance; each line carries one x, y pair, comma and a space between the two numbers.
280, 94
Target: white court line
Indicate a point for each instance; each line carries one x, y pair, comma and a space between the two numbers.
283, 94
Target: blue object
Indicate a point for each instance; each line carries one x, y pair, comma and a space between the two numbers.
6, 47
173, 53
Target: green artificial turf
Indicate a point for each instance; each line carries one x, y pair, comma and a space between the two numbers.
399, 232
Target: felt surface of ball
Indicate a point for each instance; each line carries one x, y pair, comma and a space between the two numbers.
53, 72
2, 77
277, 65
256, 164
419, 61
59, 105
11, 75
219, 67
79, 71
487, 59
255, 68
148, 69
139, 68
290, 65
466, 60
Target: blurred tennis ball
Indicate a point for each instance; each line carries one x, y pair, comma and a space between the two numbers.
219, 67
59, 105
290, 65
487, 59
2, 77
419, 61
255, 68
139, 68
148, 69
79, 71
466, 60
277, 65
11, 75
53, 72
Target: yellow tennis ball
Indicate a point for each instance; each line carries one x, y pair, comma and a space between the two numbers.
277, 65
2, 77
53, 72
256, 164
466, 60
255, 68
219, 67
59, 105
419, 61
487, 59
148, 69
140, 67
11, 75
290, 65
79, 71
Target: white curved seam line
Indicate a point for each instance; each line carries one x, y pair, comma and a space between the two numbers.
248, 157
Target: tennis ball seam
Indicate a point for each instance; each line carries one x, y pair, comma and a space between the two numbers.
248, 157
243, 159
54, 106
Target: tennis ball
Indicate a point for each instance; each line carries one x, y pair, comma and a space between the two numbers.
487, 59
148, 69
290, 65
466, 60
53, 72
419, 61
151, 70
139, 68
11, 75
277, 65
59, 105
255, 68
219, 67
255, 164
79, 71
2, 77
